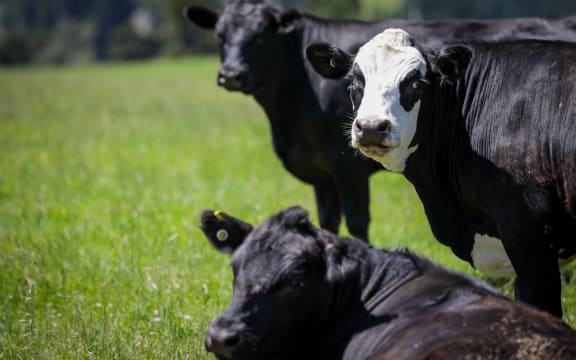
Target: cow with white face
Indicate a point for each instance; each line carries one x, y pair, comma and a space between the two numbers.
387, 76
492, 160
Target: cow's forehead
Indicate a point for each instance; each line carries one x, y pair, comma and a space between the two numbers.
246, 12
389, 56
282, 246
242, 8
244, 15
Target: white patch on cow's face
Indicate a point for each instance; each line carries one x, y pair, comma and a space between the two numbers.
488, 256
385, 61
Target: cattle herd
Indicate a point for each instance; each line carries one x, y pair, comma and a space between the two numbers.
479, 115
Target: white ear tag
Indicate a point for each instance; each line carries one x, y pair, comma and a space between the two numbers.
222, 235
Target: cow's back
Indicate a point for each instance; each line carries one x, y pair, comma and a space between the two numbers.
489, 328
440, 314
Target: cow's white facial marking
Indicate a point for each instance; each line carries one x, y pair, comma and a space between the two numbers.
488, 256
389, 73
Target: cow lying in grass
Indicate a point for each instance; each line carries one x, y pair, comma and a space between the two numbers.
304, 293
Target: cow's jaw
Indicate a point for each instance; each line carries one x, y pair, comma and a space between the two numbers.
385, 61
394, 148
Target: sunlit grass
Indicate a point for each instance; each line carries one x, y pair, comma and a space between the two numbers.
104, 171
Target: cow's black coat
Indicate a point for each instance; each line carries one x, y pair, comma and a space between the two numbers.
262, 53
304, 293
497, 154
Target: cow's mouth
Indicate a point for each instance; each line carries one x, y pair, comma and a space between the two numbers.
375, 150
222, 356
247, 87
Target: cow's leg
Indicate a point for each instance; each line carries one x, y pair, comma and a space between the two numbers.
354, 193
537, 274
328, 206
543, 290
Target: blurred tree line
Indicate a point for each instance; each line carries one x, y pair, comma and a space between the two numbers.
68, 31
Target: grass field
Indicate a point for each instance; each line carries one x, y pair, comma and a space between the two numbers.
103, 173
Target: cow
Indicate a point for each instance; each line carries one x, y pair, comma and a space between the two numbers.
262, 55
300, 292
485, 133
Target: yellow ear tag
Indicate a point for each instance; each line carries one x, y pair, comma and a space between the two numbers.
222, 235
218, 215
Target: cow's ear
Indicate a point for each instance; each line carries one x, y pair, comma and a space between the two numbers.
328, 60
452, 61
340, 260
223, 231
286, 18
201, 16
297, 218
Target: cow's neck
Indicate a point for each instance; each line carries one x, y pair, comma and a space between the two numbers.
439, 134
356, 302
285, 96
435, 169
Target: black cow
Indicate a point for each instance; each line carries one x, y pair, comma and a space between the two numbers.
486, 133
304, 293
262, 52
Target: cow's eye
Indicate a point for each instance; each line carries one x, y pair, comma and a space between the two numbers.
298, 277
355, 95
258, 40
411, 89
356, 89
296, 282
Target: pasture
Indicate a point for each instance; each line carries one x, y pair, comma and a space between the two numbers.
103, 174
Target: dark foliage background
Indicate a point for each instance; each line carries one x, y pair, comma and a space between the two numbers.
70, 31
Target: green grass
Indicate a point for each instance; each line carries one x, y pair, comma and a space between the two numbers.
103, 173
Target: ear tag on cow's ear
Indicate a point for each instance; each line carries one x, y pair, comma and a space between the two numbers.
222, 234
332, 63
218, 215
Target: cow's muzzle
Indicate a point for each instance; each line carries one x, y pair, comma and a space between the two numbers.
371, 131
233, 79
222, 339
373, 136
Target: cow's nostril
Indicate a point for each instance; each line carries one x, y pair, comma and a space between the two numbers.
222, 341
384, 126
237, 77
357, 125
231, 340
231, 78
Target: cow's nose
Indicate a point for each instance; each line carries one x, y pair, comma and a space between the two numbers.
230, 78
221, 341
371, 130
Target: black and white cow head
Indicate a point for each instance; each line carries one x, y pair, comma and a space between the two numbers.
282, 270
389, 79
250, 35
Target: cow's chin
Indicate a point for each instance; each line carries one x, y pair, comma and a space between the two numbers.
392, 158
259, 355
248, 88
376, 151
